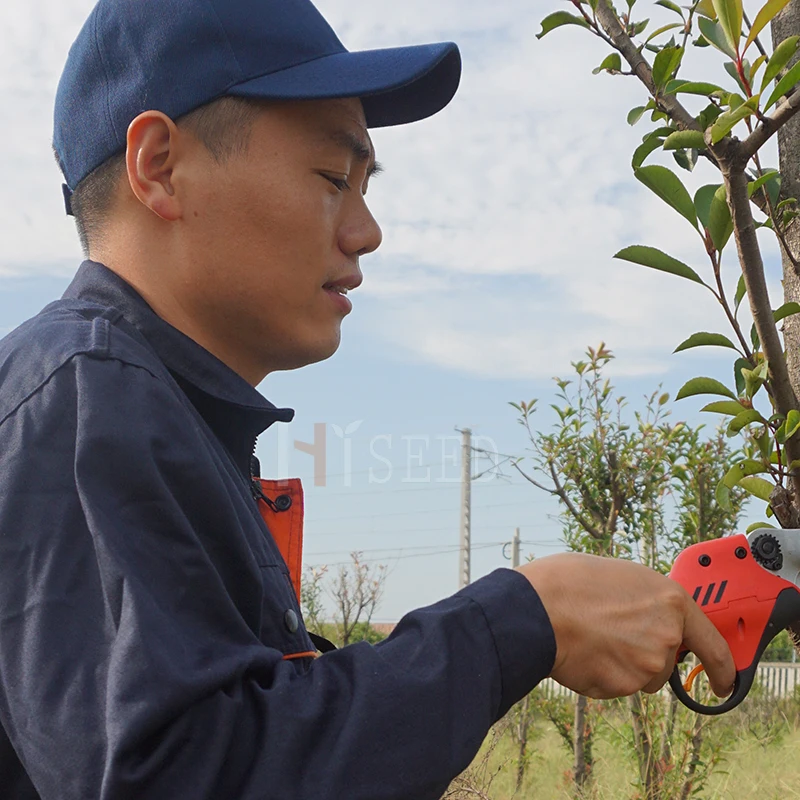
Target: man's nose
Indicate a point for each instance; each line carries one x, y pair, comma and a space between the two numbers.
361, 234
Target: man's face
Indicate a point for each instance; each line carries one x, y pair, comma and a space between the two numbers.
274, 236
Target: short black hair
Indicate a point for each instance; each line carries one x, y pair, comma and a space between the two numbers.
223, 126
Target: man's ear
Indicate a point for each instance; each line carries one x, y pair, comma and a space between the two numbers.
153, 147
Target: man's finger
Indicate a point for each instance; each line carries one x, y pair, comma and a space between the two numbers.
707, 643
656, 683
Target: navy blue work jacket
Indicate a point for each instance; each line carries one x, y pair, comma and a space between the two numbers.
143, 602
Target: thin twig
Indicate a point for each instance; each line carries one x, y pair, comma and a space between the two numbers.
785, 111
630, 52
756, 40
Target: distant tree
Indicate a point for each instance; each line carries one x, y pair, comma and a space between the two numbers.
631, 486
355, 591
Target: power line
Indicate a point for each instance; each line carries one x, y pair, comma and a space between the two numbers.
443, 551
439, 486
425, 547
416, 511
409, 531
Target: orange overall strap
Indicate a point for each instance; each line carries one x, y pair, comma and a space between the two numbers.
286, 526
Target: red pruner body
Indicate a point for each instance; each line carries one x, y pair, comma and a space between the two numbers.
748, 588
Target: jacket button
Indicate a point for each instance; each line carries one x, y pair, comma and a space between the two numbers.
291, 621
283, 502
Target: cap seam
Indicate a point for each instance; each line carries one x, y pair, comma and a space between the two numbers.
283, 69
107, 82
225, 36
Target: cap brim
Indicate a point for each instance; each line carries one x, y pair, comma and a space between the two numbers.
396, 85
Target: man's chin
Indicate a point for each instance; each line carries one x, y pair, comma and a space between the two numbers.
321, 351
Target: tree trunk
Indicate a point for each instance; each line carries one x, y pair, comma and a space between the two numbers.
643, 740
694, 758
582, 746
524, 725
787, 23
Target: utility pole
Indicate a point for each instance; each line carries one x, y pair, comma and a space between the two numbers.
466, 508
515, 549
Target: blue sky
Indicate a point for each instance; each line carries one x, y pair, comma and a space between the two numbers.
500, 219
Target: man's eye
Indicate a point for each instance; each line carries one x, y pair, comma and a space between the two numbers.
340, 183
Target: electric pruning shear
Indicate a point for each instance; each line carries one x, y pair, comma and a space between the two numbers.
749, 587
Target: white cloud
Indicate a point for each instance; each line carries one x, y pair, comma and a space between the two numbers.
500, 215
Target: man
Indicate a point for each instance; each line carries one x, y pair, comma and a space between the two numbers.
217, 157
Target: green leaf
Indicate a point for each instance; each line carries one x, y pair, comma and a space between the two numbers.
779, 59
731, 408
792, 423
702, 202
650, 144
730, 68
681, 139
742, 470
741, 291
611, 63
757, 64
723, 496
685, 159
704, 339
559, 18
754, 337
670, 5
756, 525
665, 64
738, 366
787, 309
635, 114
768, 12
758, 487
662, 29
693, 87
706, 9
726, 121
656, 259
714, 34
667, 185
729, 14
768, 175
708, 115
704, 386
742, 420
785, 84
720, 223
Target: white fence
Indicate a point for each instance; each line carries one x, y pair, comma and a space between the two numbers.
778, 679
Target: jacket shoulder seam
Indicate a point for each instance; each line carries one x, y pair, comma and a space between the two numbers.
88, 354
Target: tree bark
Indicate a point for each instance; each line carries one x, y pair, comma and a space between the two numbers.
787, 23
583, 746
524, 728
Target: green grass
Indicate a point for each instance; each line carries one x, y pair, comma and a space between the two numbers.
754, 766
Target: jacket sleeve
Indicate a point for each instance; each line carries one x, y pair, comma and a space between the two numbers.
127, 670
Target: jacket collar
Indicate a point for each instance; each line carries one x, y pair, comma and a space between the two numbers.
223, 394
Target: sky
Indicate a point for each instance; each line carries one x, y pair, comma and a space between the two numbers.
500, 217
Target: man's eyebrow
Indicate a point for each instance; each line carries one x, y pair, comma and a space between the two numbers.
357, 146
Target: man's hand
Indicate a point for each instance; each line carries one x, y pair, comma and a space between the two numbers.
618, 626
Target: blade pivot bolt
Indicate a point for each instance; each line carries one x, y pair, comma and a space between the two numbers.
767, 551
704, 560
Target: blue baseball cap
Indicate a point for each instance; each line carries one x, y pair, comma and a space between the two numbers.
173, 56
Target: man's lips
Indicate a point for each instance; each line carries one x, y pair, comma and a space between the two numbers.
338, 289
344, 284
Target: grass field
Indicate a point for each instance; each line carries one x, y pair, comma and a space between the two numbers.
754, 765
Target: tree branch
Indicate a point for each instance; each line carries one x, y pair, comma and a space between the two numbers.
757, 293
561, 494
630, 52
786, 110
